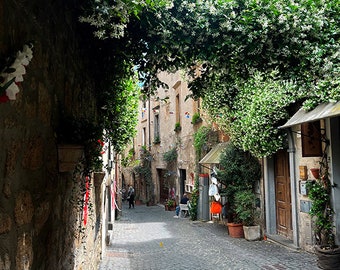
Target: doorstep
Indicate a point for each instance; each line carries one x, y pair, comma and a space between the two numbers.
282, 241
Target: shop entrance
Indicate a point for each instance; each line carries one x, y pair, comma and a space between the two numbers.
283, 195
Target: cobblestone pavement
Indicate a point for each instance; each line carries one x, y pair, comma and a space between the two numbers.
150, 238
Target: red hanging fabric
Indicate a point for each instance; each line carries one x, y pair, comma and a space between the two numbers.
215, 208
86, 199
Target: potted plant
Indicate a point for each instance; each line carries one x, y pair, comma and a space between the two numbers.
178, 127
315, 172
170, 156
196, 118
239, 171
319, 191
157, 140
150, 201
170, 205
247, 213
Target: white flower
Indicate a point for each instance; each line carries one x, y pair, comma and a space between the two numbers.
22, 59
19, 68
11, 91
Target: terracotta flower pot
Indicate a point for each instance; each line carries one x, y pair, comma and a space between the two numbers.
138, 202
315, 172
235, 230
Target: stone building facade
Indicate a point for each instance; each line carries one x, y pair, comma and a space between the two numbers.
41, 225
165, 125
311, 136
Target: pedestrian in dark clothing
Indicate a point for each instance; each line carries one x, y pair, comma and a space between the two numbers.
131, 197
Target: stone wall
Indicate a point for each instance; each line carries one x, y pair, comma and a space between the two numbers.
305, 222
171, 106
40, 228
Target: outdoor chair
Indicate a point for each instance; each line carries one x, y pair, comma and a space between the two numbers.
184, 210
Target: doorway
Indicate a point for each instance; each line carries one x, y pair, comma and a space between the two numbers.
163, 186
182, 179
283, 195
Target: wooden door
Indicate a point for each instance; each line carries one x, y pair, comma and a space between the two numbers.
163, 186
283, 195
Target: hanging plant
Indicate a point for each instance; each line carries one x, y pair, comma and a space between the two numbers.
170, 156
196, 118
177, 127
157, 140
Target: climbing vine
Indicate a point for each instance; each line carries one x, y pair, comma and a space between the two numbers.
193, 209
144, 171
170, 156
121, 110
319, 191
204, 139
290, 49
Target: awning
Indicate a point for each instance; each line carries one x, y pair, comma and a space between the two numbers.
213, 157
324, 110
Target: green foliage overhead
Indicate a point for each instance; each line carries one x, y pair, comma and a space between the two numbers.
121, 112
204, 139
258, 110
275, 53
112, 17
240, 170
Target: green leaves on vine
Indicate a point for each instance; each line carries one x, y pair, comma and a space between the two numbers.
238, 45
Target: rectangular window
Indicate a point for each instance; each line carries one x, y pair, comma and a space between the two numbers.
144, 109
156, 127
144, 137
178, 110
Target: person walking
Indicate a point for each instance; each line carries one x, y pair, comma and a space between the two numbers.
131, 197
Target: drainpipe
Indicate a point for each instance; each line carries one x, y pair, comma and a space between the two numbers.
147, 191
149, 123
293, 187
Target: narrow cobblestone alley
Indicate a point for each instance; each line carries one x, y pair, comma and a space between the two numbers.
150, 238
